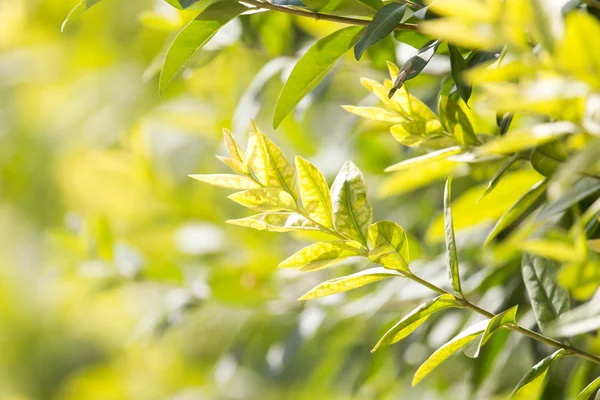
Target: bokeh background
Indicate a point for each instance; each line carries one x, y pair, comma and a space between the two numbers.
119, 278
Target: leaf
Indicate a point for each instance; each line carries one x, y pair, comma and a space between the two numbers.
322, 255
269, 164
424, 159
458, 66
376, 114
195, 35
557, 250
589, 390
451, 253
581, 319
276, 222
344, 7
414, 65
235, 165
518, 209
548, 300
531, 385
456, 121
76, 12
312, 67
233, 148
349, 282
352, 213
412, 321
265, 199
579, 191
407, 181
227, 181
384, 22
441, 354
181, 4
389, 246
498, 175
506, 317
415, 132
314, 192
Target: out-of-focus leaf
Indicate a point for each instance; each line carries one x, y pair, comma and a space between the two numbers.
517, 209
181, 4
269, 164
406, 181
412, 321
265, 199
195, 35
352, 213
76, 12
589, 390
548, 300
456, 121
446, 350
389, 246
344, 7
573, 54
458, 66
556, 250
227, 181
314, 192
506, 317
296, 3
312, 67
322, 255
349, 282
581, 319
579, 191
424, 159
498, 175
275, 222
504, 122
543, 164
531, 385
451, 253
541, 25
414, 65
414, 39
385, 21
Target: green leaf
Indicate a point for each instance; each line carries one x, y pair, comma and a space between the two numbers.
506, 317
181, 4
542, 163
312, 67
458, 66
424, 159
352, 213
451, 253
276, 222
314, 192
412, 321
531, 385
518, 209
498, 175
581, 319
548, 300
376, 114
227, 181
344, 7
269, 164
265, 199
235, 165
441, 354
579, 191
456, 121
385, 21
233, 148
589, 390
557, 250
76, 12
195, 35
414, 133
389, 246
349, 282
414, 65
322, 255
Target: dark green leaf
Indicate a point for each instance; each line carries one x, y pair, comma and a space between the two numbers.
385, 21
498, 175
414, 65
181, 4
458, 67
579, 191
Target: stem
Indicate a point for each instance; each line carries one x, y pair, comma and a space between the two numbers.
524, 331
324, 17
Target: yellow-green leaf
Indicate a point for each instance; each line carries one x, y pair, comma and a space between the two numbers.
314, 192
413, 133
352, 213
76, 12
406, 181
589, 390
233, 148
276, 222
389, 246
235, 165
557, 250
412, 321
265, 199
322, 255
504, 318
349, 282
451, 253
424, 159
498, 175
227, 181
457, 122
531, 385
376, 114
441, 354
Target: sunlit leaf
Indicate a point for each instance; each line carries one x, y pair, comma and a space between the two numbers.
589, 390
506, 317
195, 35
573, 52
233, 148
388, 245
530, 387
579, 191
314, 192
352, 213
344, 7
227, 181
406, 181
458, 65
235, 165
556, 250
424, 159
446, 350
76, 12
456, 121
275, 222
451, 253
413, 133
376, 114
385, 21
414, 65
181, 4
412, 321
265, 199
548, 300
498, 175
312, 67
349, 282
322, 255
